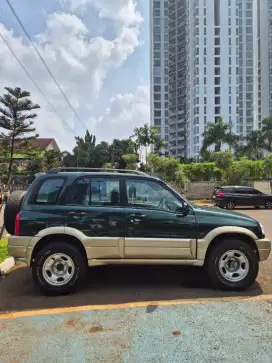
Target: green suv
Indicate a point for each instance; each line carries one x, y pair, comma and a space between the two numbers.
73, 218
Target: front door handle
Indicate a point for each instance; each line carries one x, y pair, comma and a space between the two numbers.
137, 215
77, 213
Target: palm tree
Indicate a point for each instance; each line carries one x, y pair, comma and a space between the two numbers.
267, 132
217, 134
16, 118
254, 145
144, 137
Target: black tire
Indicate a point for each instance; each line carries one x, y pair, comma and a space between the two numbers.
268, 204
212, 264
230, 205
12, 208
75, 255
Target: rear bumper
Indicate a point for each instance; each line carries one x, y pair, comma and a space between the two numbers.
264, 248
18, 247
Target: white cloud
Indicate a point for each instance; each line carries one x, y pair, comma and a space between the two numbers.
125, 112
124, 11
78, 61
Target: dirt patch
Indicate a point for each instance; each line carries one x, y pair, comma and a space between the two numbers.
96, 329
176, 332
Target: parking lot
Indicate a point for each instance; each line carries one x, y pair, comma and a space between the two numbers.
141, 314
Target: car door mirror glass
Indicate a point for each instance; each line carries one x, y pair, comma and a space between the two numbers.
183, 209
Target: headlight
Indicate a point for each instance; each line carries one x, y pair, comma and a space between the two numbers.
262, 228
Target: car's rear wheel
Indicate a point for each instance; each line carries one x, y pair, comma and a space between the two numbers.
230, 204
232, 265
268, 204
59, 268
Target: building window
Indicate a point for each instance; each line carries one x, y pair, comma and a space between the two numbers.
216, 12
217, 100
216, 31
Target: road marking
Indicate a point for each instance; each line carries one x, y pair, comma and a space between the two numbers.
20, 314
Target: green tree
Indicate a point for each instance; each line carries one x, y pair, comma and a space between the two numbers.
131, 161
145, 136
267, 168
254, 145
217, 134
52, 159
118, 148
36, 165
267, 132
16, 119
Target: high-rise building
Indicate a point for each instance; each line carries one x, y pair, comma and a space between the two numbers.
159, 69
220, 65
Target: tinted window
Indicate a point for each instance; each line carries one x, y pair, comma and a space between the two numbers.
256, 192
243, 191
89, 191
49, 191
78, 193
151, 195
105, 191
227, 190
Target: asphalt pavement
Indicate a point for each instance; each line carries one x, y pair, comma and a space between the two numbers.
139, 314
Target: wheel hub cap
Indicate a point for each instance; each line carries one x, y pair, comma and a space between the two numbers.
58, 269
233, 265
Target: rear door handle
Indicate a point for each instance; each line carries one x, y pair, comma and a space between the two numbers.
137, 215
77, 213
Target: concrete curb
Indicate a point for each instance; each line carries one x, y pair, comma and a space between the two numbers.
6, 265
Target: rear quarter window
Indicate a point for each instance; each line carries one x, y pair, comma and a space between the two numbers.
49, 191
227, 190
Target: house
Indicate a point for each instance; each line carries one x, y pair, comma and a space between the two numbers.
44, 144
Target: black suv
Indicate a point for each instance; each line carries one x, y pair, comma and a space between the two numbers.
230, 197
73, 218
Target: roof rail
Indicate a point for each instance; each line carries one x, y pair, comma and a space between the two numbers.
101, 170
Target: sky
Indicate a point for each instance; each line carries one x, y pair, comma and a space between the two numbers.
98, 51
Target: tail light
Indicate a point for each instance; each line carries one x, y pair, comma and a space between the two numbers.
220, 195
17, 225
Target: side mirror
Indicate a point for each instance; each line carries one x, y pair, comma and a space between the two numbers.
184, 210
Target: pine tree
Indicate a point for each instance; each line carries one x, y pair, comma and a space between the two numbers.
16, 119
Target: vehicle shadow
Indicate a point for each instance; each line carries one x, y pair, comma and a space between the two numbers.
115, 285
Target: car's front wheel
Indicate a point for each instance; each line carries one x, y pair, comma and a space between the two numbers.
268, 204
58, 268
232, 264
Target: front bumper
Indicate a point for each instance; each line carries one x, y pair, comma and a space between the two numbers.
264, 248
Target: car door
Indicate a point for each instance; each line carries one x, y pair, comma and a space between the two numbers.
156, 226
92, 207
256, 197
242, 196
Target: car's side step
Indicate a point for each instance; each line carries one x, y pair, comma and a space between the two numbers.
123, 261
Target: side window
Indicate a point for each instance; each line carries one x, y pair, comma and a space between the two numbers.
151, 195
49, 191
256, 192
105, 191
227, 190
243, 191
78, 193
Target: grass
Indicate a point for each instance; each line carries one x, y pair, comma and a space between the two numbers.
3, 249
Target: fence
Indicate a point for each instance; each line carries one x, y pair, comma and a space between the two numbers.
191, 190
